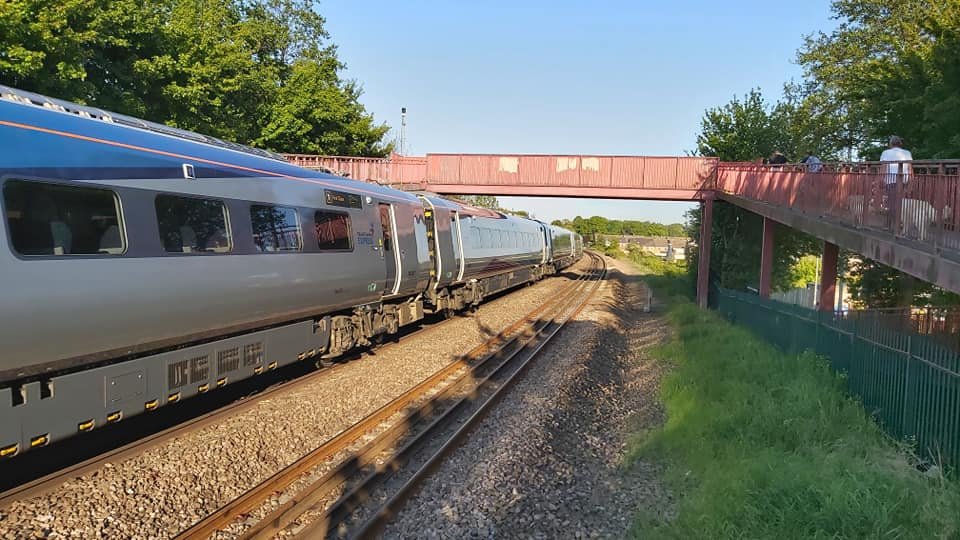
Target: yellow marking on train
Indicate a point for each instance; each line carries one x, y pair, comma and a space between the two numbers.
258, 370
87, 426
40, 440
151, 405
203, 388
10, 451
272, 365
114, 417
173, 398
221, 381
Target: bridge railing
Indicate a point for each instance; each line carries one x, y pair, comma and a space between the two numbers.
389, 171
583, 171
919, 200
690, 174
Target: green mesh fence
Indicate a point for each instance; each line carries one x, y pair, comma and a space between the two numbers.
908, 380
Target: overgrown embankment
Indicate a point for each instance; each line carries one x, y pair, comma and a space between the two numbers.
761, 444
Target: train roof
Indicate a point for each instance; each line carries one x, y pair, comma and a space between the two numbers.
45, 137
24, 97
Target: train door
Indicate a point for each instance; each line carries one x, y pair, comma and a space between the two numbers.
390, 252
547, 243
457, 237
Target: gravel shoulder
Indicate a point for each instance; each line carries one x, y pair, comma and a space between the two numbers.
169, 487
547, 462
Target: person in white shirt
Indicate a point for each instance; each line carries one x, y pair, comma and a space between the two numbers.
892, 155
896, 152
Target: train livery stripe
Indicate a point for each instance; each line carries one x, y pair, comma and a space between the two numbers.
144, 149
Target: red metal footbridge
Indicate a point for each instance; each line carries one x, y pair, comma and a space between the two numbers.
905, 215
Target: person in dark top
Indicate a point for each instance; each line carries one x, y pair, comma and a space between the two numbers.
778, 158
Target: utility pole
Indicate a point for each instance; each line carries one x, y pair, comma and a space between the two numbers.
403, 131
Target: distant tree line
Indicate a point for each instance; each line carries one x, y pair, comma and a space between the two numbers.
601, 225
258, 72
890, 67
491, 202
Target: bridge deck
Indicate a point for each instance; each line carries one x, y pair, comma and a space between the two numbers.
908, 220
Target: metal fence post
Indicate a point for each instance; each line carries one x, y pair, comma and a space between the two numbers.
909, 395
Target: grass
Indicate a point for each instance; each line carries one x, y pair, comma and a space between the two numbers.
761, 444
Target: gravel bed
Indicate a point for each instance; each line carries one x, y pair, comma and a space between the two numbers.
168, 488
548, 461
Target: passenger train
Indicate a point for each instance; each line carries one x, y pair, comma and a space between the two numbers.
144, 265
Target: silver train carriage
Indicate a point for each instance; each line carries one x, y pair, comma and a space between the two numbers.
145, 265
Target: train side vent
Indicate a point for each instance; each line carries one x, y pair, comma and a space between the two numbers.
199, 368
178, 374
252, 354
228, 360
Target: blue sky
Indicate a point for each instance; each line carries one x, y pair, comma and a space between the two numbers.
566, 77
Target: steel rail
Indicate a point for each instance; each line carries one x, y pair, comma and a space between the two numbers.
376, 524
282, 479
500, 351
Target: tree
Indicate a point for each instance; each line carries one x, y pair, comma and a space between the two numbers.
258, 72
890, 67
315, 113
744, 130
483, 201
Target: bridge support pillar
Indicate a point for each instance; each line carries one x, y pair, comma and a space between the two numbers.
828, 276
766, 256
703, 269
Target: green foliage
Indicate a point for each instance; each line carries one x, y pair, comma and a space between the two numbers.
668, 279
761, 444
890, 67
491, 202
601, 225
257, 72
742, 130
736, 246
749, 129
876, 285
483, 201
804, 271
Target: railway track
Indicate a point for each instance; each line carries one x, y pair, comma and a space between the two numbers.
353, 484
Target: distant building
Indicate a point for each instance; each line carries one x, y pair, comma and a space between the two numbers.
658, 246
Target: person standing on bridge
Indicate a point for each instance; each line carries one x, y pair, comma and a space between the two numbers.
894, 154
812, 162
777, 158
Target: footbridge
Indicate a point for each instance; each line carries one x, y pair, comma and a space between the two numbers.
904, 215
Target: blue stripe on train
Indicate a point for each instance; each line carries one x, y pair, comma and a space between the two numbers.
24, 148
109, 173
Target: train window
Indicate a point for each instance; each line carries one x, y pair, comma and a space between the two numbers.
55, 219
333, 230
192, 225
275, 228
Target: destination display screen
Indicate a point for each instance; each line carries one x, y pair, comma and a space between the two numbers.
344, 200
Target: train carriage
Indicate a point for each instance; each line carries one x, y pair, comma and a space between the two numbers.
144, 265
